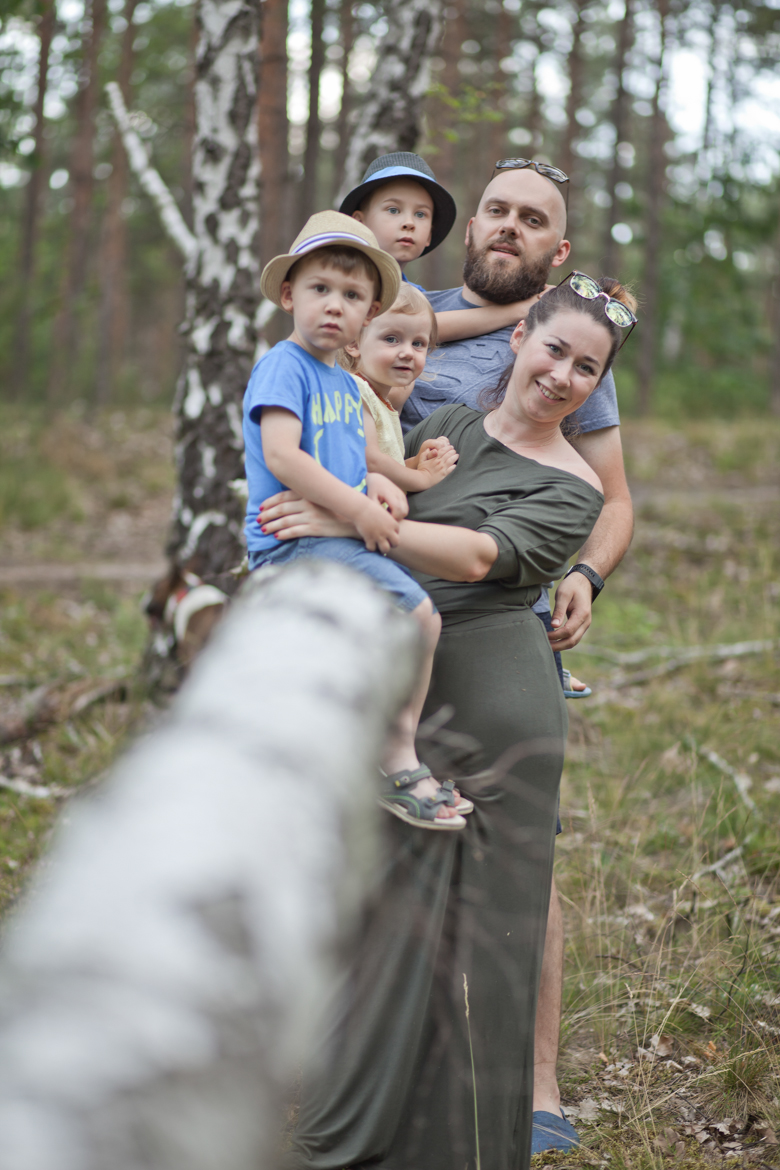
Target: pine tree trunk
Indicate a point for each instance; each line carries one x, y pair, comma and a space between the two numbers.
31, 221
273, 130
222, 290
390, 115
620, 109
308, 196
114, 309
441, 120
497, 136
656, 189
347, 38
774, 321
576, 70
82, 185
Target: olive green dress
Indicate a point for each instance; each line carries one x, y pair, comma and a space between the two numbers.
392, 1085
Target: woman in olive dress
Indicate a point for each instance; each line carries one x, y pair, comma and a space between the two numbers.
406, 1079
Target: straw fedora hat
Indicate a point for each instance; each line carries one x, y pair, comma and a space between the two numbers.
330, 229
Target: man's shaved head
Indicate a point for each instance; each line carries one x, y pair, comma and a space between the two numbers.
515, 238
529, 186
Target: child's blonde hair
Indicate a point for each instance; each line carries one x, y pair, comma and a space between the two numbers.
409, 301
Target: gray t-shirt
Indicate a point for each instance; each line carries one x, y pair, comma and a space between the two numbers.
460, 370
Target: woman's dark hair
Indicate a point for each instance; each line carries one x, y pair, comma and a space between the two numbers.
561, 297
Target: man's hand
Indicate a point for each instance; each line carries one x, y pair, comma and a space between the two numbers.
572, 614
384, 491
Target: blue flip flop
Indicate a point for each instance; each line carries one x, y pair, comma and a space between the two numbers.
568, 693
552, 1132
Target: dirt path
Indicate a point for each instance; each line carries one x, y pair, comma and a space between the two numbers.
53, 573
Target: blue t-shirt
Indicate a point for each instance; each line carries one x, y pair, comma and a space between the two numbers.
326, 400
405, 278
460, 370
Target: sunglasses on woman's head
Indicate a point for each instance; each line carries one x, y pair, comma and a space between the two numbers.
590, 290
521, 164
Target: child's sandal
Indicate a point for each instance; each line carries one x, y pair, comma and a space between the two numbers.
420, 811
464, 806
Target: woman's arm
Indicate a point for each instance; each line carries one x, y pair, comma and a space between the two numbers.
443, 550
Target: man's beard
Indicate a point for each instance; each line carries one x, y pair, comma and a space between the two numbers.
503, 283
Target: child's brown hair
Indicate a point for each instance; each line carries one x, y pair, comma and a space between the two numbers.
343, 259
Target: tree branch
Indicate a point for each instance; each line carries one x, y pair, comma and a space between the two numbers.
149, 178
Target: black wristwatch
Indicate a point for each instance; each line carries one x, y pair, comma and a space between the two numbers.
596, 582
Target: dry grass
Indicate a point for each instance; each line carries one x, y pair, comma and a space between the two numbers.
672, 1020
671, 1047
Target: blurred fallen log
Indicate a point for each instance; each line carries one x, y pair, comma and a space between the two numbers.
681, 655
729, 692
742, 781
159, 989
34, 791
54, 703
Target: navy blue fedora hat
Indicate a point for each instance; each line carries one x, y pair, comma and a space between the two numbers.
403, 164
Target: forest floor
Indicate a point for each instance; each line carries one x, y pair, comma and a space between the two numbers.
669, 862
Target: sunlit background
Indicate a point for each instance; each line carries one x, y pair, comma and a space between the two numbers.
667, 115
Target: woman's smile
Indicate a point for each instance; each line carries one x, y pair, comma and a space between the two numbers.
549, 394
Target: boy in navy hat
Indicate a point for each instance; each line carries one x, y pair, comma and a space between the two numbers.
410, 214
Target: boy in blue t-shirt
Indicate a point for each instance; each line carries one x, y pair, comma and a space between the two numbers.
303, 431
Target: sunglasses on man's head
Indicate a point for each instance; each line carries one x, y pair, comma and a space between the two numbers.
521, 164
590, 290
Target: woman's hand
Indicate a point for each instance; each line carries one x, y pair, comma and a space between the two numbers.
287, 516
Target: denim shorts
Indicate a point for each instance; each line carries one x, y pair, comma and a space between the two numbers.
393, 578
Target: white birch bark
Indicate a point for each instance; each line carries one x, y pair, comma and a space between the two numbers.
160, 987
150, 179
389, 115
222, 289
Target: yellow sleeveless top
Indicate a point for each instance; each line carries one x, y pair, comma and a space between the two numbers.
386, 420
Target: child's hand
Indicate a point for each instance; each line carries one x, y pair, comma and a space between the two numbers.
437, 465
381, 489
441, 444
377, 527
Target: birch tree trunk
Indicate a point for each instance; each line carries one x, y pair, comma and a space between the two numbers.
222, 289
161, 986
32, 208
389, 117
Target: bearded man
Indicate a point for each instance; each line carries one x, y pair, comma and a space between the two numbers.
513, 241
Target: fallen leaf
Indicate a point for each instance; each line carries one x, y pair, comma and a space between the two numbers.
587, 1110
662, 1045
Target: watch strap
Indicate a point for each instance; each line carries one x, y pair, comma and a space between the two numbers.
596, 582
